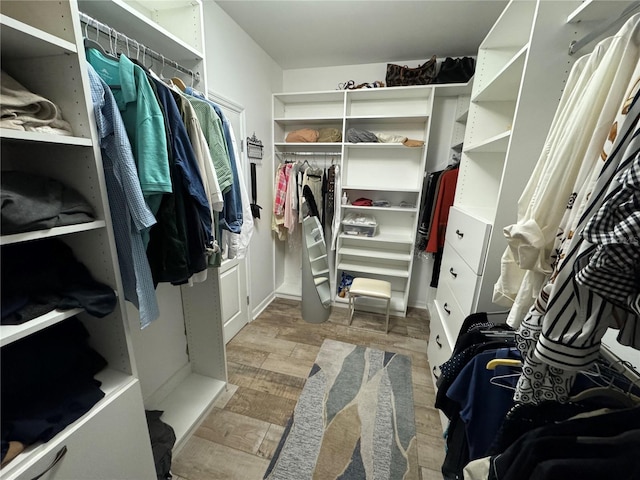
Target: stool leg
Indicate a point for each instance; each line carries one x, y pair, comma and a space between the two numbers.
388, 305
351, 307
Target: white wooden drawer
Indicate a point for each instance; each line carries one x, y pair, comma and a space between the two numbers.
450, 312
109, 443
439, 349
462, 280
469, 236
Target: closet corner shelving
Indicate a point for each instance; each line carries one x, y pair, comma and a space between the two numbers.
521, 68
40, 49
378, 171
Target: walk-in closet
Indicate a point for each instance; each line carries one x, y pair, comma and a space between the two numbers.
304, 240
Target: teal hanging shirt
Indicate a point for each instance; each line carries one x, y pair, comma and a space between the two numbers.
143, 121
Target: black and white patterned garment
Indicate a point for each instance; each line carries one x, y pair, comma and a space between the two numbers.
613, 270
561, 333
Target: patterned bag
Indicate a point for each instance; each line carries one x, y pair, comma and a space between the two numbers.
398, 75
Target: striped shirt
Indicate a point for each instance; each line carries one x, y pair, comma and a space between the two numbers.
562, 332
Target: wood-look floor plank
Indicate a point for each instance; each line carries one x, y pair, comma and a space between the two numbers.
270, 442
287, 365
275, 383
423, 396
201, 459
254, 339
428, 474
431, 452
246, 355
428, 421
262, 406
233, 430
305, 352
422, 375
224, 397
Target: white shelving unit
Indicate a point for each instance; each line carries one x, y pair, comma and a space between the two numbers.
39, 42
378, 171
181, 357
521, 68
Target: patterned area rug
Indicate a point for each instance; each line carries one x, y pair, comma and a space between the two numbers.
354, 419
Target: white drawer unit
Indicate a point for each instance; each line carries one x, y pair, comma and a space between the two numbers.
111, 442
469, 236
462, 280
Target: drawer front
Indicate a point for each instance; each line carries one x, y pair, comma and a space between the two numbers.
450, 312
113, 443
439, 349
461, 279
469, 236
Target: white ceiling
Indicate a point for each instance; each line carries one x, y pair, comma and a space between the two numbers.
319, 33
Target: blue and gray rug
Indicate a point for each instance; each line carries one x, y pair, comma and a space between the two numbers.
354, 419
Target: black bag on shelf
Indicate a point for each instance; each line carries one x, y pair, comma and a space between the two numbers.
456, 70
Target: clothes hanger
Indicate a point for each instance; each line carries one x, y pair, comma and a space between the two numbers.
503, 362
608, 394
496, 380
89, 43
179, 83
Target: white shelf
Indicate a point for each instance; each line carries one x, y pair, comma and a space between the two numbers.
129, 21
12, 333
39, 137
452, 89
387, 119
415, 93
374, 269
310, 145
22, 41
112, 381
495, 144
188, 403
382, 237
375, 253
382, 209
380, 145
504, 86
310, 122
53, 232
462, 118
318, 258
311, 97
379, 189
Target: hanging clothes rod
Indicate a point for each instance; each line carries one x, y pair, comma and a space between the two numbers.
123, 39
577, 45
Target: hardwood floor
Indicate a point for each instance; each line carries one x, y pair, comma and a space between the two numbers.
268, 363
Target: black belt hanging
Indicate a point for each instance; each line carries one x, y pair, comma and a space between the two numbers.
255, 208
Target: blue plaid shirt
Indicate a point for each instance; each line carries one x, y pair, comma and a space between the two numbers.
130, 214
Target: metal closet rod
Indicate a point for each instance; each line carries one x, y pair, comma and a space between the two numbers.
113, 33
577, 45
308, 154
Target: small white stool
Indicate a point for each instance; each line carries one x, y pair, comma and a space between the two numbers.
368, 287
